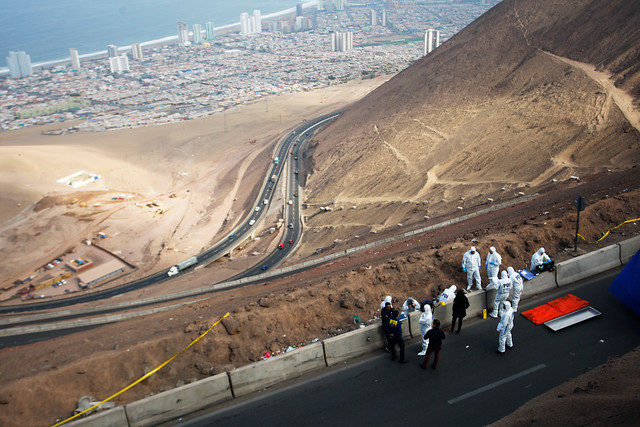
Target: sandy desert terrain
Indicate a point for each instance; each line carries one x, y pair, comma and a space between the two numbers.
548, 98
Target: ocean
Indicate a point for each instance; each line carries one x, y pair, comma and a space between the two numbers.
46, 29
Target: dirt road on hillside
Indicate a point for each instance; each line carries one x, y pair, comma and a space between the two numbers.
623, 100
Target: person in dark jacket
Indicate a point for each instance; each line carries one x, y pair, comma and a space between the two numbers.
385, 314
459, 309
435, 335
393, 328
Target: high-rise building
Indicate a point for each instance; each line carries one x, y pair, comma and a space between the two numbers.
298, 9
256, 22
341, 41
183, 34
374, 17
245, 24
119, 64
197, 33
19, 64
320, 5
339, 4
112, 50
383, 19
431, 40
136, 51
75, 59
211, 35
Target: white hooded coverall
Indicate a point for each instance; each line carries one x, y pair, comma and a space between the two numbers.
503, 289
387, 299
517, 284
471, 263
426, 319
505, 326
405, 307
539, 258
492, 262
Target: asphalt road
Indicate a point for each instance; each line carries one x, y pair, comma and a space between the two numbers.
472, 385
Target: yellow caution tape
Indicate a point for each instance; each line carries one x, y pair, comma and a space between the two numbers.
147, 375
608, 231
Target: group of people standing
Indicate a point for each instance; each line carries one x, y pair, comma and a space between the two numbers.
508, 284
430, 331
472, 264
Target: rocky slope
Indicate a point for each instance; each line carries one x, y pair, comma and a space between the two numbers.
518, 99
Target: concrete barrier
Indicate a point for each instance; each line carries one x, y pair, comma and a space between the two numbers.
477, 303
587, 265
354, 343
539, 284
115, 417
179, 401
628, 249
413, 325
259, 375
443, 314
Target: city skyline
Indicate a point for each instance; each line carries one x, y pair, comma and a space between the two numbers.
172, 83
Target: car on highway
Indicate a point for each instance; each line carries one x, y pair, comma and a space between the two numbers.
253, 221
290, 225
295, 195
264, 267
296, 172
281, 246
232, 236
290, 202
265, 201
257, 208
295, 158
292, 153
291, 241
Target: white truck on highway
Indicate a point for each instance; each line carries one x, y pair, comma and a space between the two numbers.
181, 266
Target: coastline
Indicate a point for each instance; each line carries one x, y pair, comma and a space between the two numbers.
156, 42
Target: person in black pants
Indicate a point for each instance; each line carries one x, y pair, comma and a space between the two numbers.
393, 327
435, 335
459, 309
385, 314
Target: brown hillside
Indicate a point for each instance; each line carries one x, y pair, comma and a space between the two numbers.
508, 103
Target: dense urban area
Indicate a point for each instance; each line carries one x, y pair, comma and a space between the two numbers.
171, 83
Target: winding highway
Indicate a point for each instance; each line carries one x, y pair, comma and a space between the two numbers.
291, 143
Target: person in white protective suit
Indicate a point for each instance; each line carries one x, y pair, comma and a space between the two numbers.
386, 300
426, 320
538, 260
410, 305
492, 262
517, 284
471, 264
503, 289
504, 327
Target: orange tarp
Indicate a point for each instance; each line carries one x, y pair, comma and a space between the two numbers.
556, 308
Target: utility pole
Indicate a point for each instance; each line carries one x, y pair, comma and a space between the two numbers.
580, 204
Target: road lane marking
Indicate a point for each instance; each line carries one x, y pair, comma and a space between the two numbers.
496, 384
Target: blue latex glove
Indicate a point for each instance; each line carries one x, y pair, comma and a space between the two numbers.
464, 270
479, 267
